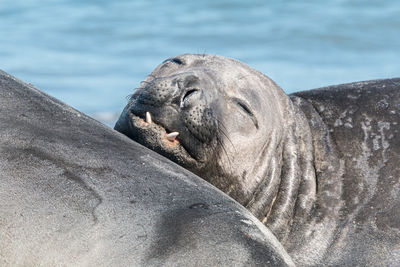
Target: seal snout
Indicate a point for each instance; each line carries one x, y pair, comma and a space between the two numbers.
174, 101
176, 90
173, 111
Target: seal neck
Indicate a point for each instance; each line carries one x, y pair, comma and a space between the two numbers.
309, 195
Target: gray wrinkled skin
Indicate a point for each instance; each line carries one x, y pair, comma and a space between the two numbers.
363, 120
76, 193
307, 166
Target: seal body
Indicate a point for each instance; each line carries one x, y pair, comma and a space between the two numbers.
363, 120
286, 159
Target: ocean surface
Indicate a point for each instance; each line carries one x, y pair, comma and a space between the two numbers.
93, 54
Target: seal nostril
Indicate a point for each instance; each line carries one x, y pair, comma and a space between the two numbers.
188, 93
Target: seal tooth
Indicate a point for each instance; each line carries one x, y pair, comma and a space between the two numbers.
172, 136
148, 117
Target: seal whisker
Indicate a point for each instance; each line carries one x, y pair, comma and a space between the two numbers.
128, 97
222, 131
221, 143
220, 124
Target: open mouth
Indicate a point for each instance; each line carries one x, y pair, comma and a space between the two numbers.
170, 136
160, 139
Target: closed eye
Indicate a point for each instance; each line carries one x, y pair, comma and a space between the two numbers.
247, 110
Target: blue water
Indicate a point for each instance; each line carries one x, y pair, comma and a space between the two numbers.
92, 54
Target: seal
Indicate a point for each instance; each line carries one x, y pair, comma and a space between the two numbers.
75, 193
276, 155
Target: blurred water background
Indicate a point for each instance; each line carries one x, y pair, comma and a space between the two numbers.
92, 54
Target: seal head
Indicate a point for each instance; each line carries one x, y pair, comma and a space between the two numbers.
226, 115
